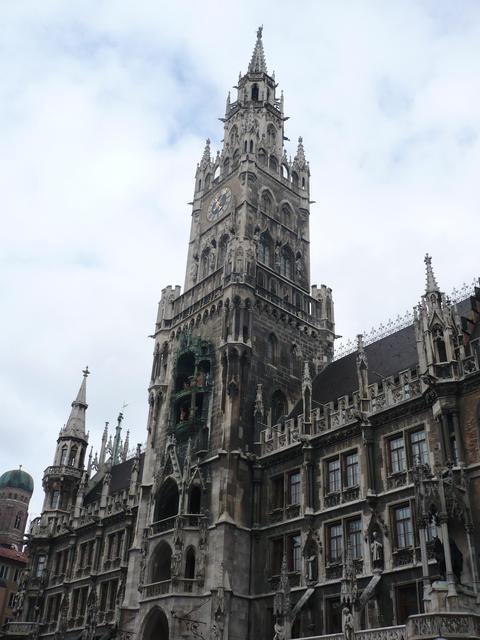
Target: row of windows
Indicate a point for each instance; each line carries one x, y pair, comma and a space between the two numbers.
342, 533
343, 471
108, 594
113, 550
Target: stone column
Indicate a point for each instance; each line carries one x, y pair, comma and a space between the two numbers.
369, 460
451, 586
472, 557
444, 443
458, 438
424, 556
257, 484
307, 451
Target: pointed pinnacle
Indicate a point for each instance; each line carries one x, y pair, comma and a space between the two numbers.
258, 63
206, 153
431, 284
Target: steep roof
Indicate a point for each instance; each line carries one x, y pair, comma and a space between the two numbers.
386, 357
120, 479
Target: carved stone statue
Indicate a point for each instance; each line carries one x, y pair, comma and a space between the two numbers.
194, 270
439, 555
279, 629
312, 568
376, 548
347, 626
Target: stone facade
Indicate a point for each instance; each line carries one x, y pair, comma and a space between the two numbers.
281, 493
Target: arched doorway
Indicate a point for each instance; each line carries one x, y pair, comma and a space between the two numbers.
160, 568
156, 627
166, 503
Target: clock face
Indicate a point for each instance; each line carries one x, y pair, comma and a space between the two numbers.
219, 204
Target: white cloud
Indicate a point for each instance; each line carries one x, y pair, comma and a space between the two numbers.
103, 112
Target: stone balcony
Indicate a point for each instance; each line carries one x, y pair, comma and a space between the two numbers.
21, 629
63, 471
335, 415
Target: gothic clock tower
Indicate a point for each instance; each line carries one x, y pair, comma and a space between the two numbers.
229, 358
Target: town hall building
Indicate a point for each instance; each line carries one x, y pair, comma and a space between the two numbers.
283, 491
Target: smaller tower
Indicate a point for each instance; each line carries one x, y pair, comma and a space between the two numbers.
16, 489
62, 480
435, 329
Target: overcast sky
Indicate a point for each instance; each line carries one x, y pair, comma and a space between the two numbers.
104, 109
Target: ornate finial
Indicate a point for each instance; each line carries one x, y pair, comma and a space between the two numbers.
257, 63
299, 159
259, 408
20, 466
86, 372
206, 154
431, 286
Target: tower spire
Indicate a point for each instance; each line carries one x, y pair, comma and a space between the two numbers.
431, 284
258, 63
76, 422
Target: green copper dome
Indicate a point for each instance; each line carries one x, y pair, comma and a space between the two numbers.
17, 479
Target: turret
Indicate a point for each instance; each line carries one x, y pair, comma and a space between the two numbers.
435, 329
62, 479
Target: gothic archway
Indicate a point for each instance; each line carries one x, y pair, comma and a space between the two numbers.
160, 566
156, 626
166, 503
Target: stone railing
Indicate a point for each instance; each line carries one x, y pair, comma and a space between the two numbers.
335, 415
21, 629
448, 625
162, 525
192, 520
382, 633
63, 470
156, 589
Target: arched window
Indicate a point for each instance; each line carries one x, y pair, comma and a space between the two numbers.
251, 146
63, 455
18, 520
279, 406
273, 287
204, 264
160, 568
236, 158
303, 183
233, 135
265, 250
266, 202
255, 93
208, 180
199, 185
216, 173
185, 371
226, 165
273, 163
73, 457
286, 215
286, 263
272, 347
294, 362
271, 135
222, 250
166, 502
284, 171
295, 179
190, 563
245, 146
262, 157
195, 499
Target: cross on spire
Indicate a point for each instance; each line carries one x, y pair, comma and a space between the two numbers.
86, 372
